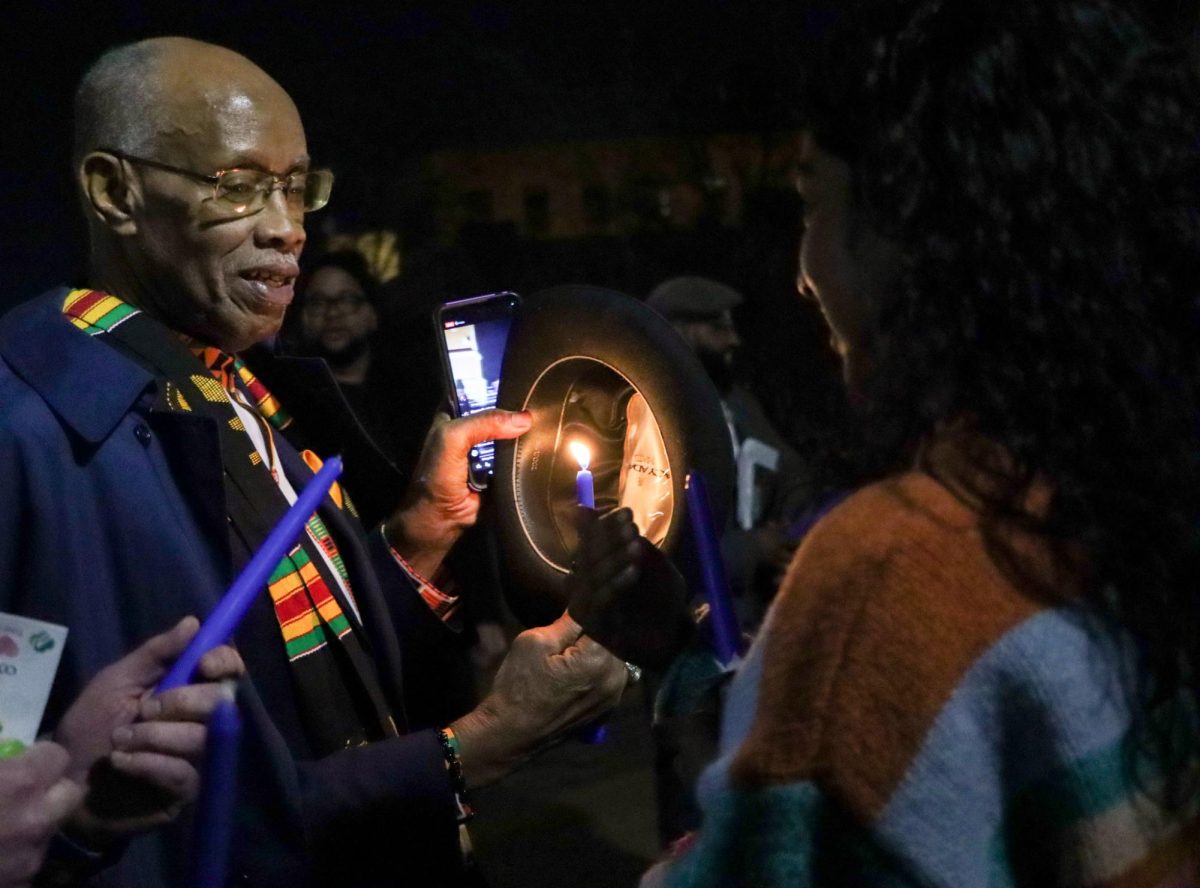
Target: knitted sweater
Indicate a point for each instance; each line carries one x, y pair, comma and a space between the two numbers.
911, 715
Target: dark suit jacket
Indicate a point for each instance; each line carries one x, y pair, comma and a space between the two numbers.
114, 525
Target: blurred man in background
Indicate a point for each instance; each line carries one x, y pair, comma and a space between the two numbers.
339, 320
772, 482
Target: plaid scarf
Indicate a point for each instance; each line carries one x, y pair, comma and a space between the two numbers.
340, 700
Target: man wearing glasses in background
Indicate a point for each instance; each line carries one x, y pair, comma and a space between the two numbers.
338, 314
142, 463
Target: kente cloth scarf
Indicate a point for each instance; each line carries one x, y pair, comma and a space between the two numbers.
339, 696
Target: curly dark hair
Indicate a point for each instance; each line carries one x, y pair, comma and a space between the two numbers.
1038, 165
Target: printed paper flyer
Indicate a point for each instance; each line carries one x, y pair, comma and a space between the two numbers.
29, 655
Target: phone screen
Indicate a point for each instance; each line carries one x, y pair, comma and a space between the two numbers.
474, 335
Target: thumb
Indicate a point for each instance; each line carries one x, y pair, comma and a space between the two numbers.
562, 633
489, 425
62, 798
147, 663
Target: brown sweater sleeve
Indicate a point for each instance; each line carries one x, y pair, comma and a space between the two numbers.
886, 605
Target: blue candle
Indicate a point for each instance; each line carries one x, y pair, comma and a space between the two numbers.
727, 636
585, 493
218, 792
228, 613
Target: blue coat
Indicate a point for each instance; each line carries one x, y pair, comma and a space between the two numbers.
116, 528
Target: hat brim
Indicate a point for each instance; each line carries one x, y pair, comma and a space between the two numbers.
575, 356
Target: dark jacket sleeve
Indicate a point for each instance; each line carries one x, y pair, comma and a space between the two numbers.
439, 684
362, 805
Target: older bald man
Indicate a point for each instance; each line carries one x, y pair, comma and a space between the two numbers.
143, 462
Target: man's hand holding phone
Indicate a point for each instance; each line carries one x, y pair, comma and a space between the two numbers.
439, 504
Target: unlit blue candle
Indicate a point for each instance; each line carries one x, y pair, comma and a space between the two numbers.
726, 635
218, 792
231, 609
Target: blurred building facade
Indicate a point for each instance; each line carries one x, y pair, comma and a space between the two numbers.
605, 187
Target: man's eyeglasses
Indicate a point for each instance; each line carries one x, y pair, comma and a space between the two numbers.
343, 302
245, 191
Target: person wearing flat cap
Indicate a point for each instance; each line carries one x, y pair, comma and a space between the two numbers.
772, 481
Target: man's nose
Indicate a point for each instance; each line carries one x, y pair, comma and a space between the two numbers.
280, 225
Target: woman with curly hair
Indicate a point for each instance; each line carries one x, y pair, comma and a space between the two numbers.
983, 667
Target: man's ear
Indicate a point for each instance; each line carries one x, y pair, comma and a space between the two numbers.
108, 195
373, 322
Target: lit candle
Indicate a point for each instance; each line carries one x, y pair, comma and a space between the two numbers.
584, 491
218, 792
585, 495
726, 635
230, 610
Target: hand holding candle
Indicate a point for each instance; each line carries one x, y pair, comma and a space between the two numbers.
137, 753
228, 614
626, 594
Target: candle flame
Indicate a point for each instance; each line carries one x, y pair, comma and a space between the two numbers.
582, 454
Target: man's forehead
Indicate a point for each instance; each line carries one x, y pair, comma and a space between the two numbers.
228, 123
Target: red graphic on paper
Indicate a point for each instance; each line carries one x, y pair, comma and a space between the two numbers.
8, 646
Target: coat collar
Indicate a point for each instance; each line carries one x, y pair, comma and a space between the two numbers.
89, 385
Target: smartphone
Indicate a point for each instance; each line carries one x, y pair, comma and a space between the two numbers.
473, 334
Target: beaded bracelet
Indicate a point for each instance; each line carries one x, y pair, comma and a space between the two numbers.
458, 782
